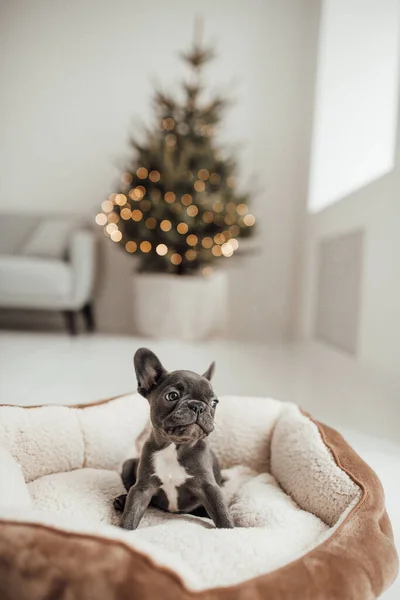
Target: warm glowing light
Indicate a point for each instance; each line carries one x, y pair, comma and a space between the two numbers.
145, 205
142, 172
230, 182
116, 236
131, 247
249, 220
162, 249
182, 228
192, 239
219, 238
207, 242
107, 206
216, 250
186, 199
126, 214
126, 178
171, 140
120, 199
101, 219
208, 217
207, 271
176, 259
199, 185
137, 193
234, 229
113, 217
203, 174
168, 123
231, 207
137, 215
111, 227
234, 244
112, 197
229, 220
154, 176
215, 178
165, 225
151, 223
191, 254
227, 250
192, 210
169, 197
242, 209
145, 247
218, 206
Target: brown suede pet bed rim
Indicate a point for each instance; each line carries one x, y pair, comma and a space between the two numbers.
358, 561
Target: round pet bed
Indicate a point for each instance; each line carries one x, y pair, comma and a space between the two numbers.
309, 513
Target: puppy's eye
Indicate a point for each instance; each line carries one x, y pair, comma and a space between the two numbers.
214, 403
172, 396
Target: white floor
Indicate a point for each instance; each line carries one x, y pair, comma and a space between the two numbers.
362, 404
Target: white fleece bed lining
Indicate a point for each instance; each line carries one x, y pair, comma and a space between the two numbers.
265, 446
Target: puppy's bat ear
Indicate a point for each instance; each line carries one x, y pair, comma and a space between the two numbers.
210, 371
149, 370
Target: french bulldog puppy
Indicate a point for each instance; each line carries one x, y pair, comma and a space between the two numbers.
177, 471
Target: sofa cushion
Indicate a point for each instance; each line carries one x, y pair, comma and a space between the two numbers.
50, 239
22, 279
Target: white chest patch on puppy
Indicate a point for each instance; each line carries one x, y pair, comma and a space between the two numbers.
172, 474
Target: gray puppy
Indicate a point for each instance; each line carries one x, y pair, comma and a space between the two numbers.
177, 471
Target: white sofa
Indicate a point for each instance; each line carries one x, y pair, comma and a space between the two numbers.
47, 264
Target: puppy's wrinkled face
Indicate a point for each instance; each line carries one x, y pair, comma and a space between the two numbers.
182, 403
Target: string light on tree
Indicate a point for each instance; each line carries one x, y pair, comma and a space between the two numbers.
107, 206
151, 223
131, 247
137, 215
116, 236
182, 228
192, 210
154, 176
101, 219
166, 225
162, 249
169, 197
145, 247
142, 172
120, 199
126, 178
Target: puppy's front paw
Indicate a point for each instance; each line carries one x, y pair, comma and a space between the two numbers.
127, 523
119, 502
226, 524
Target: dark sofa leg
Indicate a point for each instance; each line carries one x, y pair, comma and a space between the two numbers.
70, 320
88, 315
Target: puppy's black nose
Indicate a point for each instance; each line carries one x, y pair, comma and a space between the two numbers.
196, 406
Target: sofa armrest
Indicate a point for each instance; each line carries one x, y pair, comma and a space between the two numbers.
82, 260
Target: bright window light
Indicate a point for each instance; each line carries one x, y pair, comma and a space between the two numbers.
355, 119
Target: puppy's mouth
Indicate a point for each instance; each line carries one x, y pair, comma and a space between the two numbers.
185, 424
188, 431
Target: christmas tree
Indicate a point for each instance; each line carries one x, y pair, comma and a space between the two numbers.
177, 207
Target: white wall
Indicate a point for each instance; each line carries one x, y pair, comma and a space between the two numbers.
77, 76
354, 133
376, 210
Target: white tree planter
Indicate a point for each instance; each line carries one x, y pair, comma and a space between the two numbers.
182, 307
